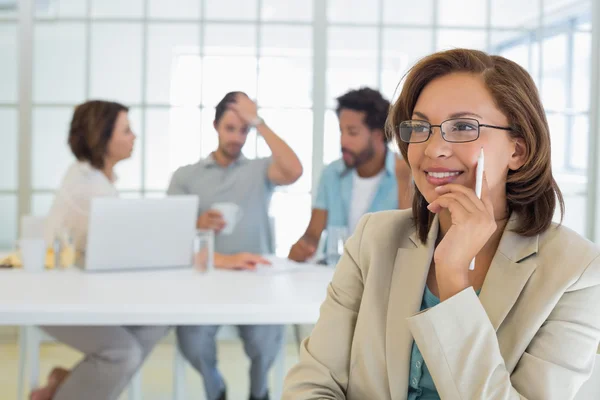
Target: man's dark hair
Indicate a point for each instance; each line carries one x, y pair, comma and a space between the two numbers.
222, 106
371, 102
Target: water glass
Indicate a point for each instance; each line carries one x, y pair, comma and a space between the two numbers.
33, 254
336, 237
203, 250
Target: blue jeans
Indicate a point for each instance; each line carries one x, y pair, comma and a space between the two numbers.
261, 344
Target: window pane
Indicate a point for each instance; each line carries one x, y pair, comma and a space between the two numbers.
9, 13
287, 10
582, 55
579, 141
513, 45
230, 40
575, 212
41, 203
554, 75
8, 221
8, 63
558, 128
231, 9
129, 172
286, 53
408, 12
60, 8
352, 60
172, 140
331, 141
291, 212
455, 38
466, 13
285, 40
173, 64
515, 13
275, 73
226, 74
352, 11
130, 195
174, 9
9, 145
116, 62
117, 8
295, 127
59, 63
209, 138
155, 195
402, 48
51, 155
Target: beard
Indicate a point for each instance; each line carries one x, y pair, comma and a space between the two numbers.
231, 152
359, 158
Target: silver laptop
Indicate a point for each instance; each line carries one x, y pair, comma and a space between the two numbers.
129, 234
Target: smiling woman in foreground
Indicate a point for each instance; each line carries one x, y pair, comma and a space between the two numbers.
404, 317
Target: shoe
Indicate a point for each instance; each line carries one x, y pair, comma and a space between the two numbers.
265, 397
223, 395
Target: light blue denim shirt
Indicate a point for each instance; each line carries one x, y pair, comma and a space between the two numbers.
335, 191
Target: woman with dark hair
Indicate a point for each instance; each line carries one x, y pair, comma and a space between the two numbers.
405, 317
100, 136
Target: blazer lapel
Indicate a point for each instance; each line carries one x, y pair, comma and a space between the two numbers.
510, 270
406, 293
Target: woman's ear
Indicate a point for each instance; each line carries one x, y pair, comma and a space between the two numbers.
517, 159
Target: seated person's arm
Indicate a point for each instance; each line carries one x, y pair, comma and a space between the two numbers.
324, 366
307, 245
210, 219
177, 186
285, 167
239, 261
461, 349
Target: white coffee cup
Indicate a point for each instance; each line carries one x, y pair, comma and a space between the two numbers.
232, 214
33, 254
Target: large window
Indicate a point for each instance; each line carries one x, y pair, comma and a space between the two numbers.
171, 61
556, 50
9, 117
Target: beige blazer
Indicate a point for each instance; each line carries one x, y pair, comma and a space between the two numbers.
531, 334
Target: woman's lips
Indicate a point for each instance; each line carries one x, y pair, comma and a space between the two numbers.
441, 178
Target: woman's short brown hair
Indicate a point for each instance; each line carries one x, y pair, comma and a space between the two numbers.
91, 128
531, 191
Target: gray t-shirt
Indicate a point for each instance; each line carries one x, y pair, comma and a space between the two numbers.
245, 183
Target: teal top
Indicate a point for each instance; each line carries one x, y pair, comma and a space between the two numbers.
420, 383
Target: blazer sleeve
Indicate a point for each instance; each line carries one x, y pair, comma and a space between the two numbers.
461, 350
323, 369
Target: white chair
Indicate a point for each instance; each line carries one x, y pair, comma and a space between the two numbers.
30, 337
591, 389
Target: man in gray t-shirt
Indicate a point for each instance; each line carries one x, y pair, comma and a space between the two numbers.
226, 176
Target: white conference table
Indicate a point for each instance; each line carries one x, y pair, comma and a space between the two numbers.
284, 293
